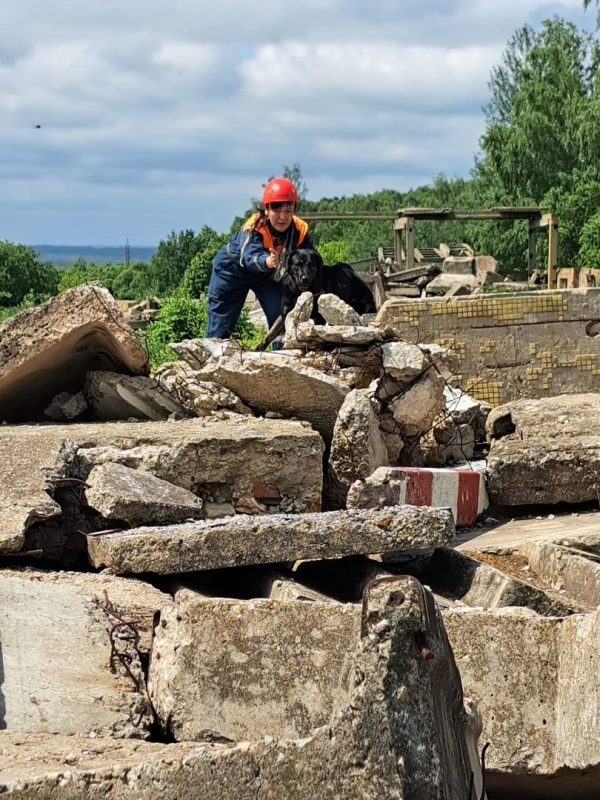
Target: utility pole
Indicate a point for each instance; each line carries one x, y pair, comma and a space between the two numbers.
127, 252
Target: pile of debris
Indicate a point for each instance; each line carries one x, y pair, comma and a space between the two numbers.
443, 271
180, 617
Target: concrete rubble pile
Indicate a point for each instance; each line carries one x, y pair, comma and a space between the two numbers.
216, 580
443, 272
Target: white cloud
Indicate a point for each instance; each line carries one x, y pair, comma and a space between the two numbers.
162, 115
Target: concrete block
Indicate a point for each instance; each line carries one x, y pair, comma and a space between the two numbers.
462, 490
544, 451
136, 497
402, 730
49, 349
278, 669
536, 683
235, 541
56, 650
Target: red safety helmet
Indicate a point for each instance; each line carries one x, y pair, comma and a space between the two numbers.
279, 190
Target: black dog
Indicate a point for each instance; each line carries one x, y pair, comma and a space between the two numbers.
305, 272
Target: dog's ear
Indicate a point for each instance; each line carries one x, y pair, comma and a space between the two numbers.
317, 258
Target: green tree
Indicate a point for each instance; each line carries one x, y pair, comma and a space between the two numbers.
333, 251
197, 275
23, 275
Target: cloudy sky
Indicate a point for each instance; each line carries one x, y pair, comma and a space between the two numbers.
159, 115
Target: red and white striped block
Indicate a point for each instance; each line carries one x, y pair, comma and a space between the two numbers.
461, 489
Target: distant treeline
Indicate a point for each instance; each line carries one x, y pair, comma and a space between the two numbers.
67, 255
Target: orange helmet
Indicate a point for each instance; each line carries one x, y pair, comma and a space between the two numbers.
279, 190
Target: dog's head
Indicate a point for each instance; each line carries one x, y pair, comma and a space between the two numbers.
303, 267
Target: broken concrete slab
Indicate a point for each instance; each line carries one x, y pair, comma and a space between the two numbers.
269, 539
286, 655
113, 396
139, 498
400, 732
581, 530
574, 572
69, 663
274, 382
49, 349
459, 265
536, 683
29, 464
336, 312
462, 490
357, 448
309, 334
448, 280
531, 462
455, 575
223, 461
198, 397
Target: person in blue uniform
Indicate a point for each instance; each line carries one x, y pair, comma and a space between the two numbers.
250, 259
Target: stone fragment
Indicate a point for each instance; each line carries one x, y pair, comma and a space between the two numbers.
403, 362
447, 280
448, 443
401, 731
57, 668
535, 682
459, 290
544, 451
274, 382
113, 396
357, 448
268, 539
336, 312
418, 406
120, 493
31, 458
300, 313
459, 265
199, 397
465, 410
287, 589
66, 407
443, 359
461, 490
49, 349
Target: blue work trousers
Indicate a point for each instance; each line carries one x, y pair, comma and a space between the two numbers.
227, 291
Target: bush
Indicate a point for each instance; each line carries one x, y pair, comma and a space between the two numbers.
183, 318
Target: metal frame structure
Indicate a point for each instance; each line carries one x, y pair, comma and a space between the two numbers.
404, 227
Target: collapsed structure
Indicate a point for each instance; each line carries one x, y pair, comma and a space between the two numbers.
239, 576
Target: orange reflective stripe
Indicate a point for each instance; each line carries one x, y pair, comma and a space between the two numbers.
302, 228
267, 237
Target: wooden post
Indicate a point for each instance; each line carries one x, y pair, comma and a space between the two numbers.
410, 242
531, 259
398, 245
552, 249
